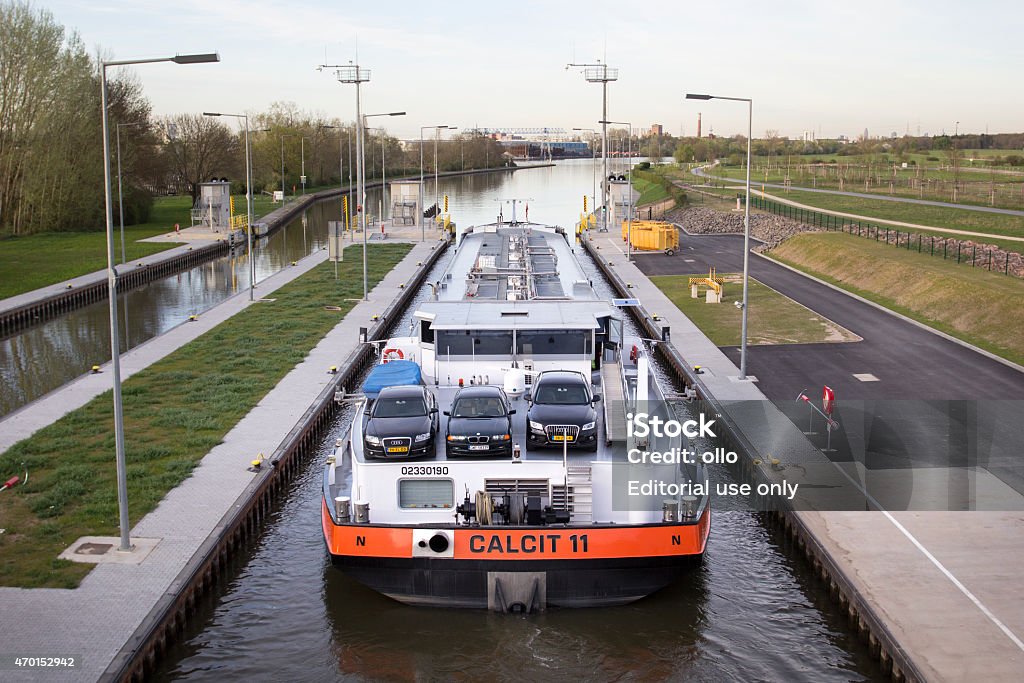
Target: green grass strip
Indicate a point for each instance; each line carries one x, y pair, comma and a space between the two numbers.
175, 412
33, 261
773, 319
971, 304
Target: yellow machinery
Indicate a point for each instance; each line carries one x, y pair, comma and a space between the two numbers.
714, 284
652, 236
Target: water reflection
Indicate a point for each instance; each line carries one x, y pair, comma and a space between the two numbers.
43, 358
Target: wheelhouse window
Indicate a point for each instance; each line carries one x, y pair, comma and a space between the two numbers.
425, 494
554, 342
474, 342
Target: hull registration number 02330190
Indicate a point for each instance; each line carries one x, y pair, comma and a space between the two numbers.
425, 470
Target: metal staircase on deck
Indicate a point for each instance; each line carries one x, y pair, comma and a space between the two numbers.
614, 402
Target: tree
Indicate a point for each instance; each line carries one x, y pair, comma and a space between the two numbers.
683, 153
48, 113
200, 148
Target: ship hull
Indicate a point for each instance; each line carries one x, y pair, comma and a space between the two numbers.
519, 568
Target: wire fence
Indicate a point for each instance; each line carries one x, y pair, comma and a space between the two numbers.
967, 252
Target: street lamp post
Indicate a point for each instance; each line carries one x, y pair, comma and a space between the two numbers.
383, 179
120, 196
746, 223
248, 198
283, 136
423, 235
600, 73
353, 73
629, 194
593, 157
115, 351
120, 211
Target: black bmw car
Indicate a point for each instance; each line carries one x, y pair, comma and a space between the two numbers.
402, 424
562, 411
479, 423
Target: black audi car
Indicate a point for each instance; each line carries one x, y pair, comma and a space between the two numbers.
561, 411
402, 424
479, 423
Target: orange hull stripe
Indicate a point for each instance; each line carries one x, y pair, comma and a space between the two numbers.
495, 543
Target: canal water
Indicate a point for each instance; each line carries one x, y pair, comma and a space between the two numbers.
40, 359
751, 612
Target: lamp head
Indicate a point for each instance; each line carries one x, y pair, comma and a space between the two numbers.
692, 96
196, 59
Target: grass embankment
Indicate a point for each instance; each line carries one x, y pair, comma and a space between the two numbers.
655, 186
979, 307
649, 192
175, 411
34, 261
773, 319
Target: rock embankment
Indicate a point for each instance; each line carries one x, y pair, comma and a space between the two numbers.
768, 228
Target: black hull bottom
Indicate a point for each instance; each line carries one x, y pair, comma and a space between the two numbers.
558, 583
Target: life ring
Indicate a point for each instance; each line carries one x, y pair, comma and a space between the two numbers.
634, 354
392, 354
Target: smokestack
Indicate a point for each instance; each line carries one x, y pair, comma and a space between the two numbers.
698, 124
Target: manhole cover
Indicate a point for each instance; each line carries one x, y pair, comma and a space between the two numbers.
93, 548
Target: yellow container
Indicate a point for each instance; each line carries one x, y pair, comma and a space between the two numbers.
652, 236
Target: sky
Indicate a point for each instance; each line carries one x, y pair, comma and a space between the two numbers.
826, 67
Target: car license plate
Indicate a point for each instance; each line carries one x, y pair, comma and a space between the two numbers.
561, 437
478, 448
398, 449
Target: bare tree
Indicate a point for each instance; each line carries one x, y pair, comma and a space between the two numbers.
200, 148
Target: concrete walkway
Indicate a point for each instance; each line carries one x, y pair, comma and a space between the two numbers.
95, 620
945, 586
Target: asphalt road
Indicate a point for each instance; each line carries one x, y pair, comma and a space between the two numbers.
931, 402
906, 200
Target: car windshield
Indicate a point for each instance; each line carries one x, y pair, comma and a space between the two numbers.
412, 406
561, 394
478, 406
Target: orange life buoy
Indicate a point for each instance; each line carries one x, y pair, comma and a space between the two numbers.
392, 354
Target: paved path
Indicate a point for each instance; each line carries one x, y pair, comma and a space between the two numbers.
944, 585
95, 620
698, 171
907, 397
909, 362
